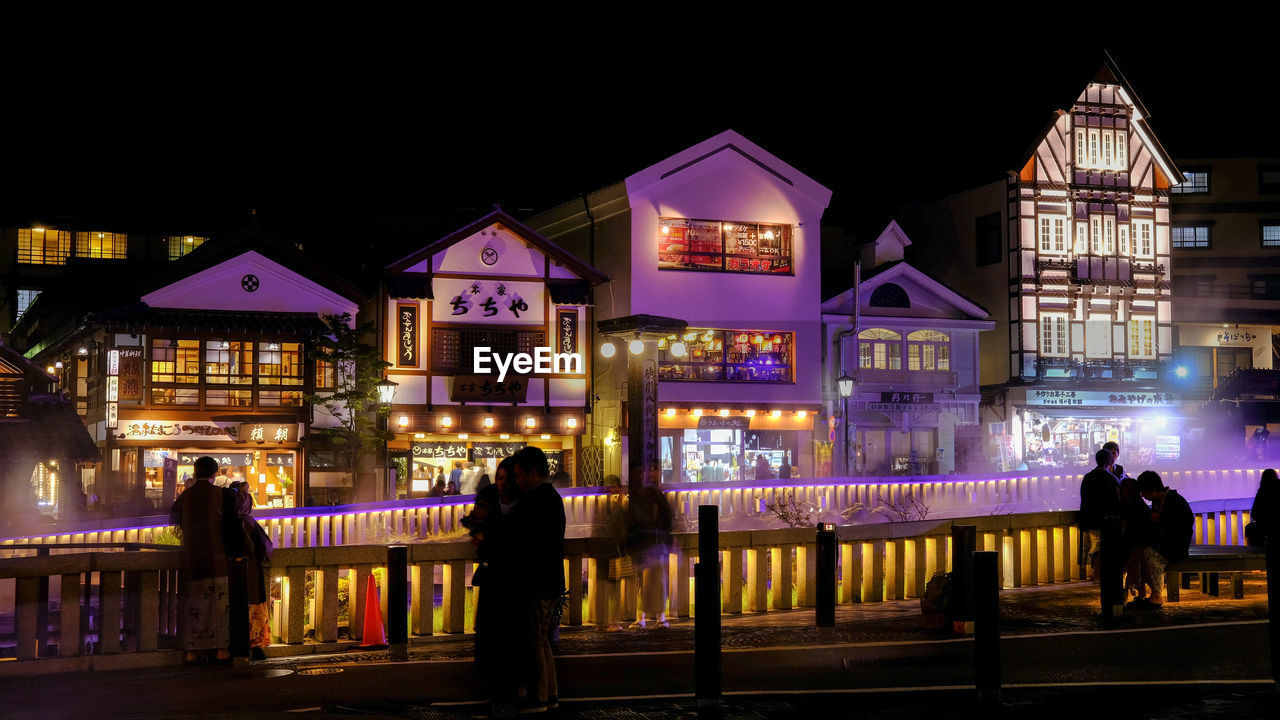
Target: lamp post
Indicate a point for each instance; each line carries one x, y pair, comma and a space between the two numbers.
845, 383
386, 395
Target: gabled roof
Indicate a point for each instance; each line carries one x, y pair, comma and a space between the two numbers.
48, 428
12, 361
901, 270
524, 232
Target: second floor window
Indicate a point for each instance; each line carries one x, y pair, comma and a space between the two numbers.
228, 362
1143, 245
453, 349
736, 246
1142, 334
279, 363
879, 349
43, 246
25, 298
928, 350
1196, 183
1191, 236
1052, 234
1099, 149
1053, 335
175, 361
713, 355
102, 245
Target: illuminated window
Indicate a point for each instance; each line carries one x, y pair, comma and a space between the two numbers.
1196, 183
1093, 148
1271, 234
879, 349
279, 363
1123, 233
1052, 229
325, 378
102, 245
25, 298
1102, 149
1095, 232
44, 484
732, 246
180, 245
1082, 238
1191, 236
1053, 335
43, 246
1106, 149
1122, 150
1142, 333
175, 362
928, 350
221, 397
228, 362
1142, 242
1109, 234
713, 355
279, 398
1081, 154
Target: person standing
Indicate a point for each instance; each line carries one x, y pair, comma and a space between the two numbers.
784, 470
1099, 498
764, 471
257, 553
198, 511
499, 623
538, 524
1265, 512
1114, 467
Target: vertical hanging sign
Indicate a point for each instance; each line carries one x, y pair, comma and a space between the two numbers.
113, 388
407, 329
567, 331
130, 374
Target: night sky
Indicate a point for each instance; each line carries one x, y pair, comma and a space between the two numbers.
336, 147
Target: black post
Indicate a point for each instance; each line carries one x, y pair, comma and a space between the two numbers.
986, 616
398, 600
964, 541
238, 603
1112, 581
706, 625
825, 613
1273, 601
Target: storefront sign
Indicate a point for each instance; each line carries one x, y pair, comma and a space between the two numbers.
723, 423
407, 322
223, 459
267, 432
165, 430
113, 390
113, 415
495, 450
130, 374
567, 322
499, 302
906, 397
113, 362
905, 407
487, 389
453, 450
280, 459
555, 461
1235, 337
1096, 398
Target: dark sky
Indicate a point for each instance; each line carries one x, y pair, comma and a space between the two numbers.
326, 141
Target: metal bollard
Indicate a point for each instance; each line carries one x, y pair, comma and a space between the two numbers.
238, 603
1273, 601
706, 622
825, 612
986, 615
398, 600
964, 541
1111, 583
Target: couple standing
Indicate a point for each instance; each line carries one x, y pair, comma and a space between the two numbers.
518, 525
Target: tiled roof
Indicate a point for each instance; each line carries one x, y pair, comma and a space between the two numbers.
47, 428
231, 321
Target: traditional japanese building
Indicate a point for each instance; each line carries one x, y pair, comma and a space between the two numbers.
1072, 252
910, 347
724, 237
497, 285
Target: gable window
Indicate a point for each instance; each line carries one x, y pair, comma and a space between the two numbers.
1099, 149
1196, 183
713, 355
43, 246
1095, 232
1052, 234
179, 245
102, 245
1191, 236
928, 350
724, 246
879, 349
1270, 233
1053, 335
1142, 334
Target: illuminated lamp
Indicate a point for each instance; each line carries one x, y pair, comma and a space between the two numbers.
191, 240
82, 350
100, 235
802, 414
679, 349
608, 440
446, 421
724, 412
571, 423
776, 414
728, 227
545, 436
386, 391
273, 346
419, 436
662, 343
404, 421
462, 436
666, 230
845, 383
58, 365
671, 412
37, 229
777, 339
608, 349
751, 413
1182, 372
488, 423
49, 369
697, 412
636, 346
758, 339
504, 436
530, 422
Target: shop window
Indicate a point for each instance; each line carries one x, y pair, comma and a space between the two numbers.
453, 349
879, 349
1053, 335
735, 246
179, 245
279, 363
102, 245
228, 362
280, 398
712, 355
1142, 334
220, 397
43, 246
928, 350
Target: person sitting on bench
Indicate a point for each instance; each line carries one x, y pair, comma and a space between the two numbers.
1174, 526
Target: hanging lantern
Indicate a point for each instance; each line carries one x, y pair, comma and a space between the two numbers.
757, 339
662, 344
777, 339
741, 338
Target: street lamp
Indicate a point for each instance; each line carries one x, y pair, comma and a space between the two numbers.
387, 391
386, 394
845, 384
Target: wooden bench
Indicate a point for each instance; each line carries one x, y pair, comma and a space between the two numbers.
1209, 561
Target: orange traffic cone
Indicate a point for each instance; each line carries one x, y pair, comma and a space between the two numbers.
374, 636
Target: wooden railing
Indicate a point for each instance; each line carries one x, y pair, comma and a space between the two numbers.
762, 570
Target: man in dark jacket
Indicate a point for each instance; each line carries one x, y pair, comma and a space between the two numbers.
538, 523
1099, 497
1175, 525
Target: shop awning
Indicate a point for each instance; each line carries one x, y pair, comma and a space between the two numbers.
576, 293
144, 317
409, 287
48, 428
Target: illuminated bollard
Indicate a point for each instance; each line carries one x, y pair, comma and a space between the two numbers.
825, 610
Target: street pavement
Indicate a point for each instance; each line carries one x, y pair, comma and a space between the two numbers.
1058, 660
